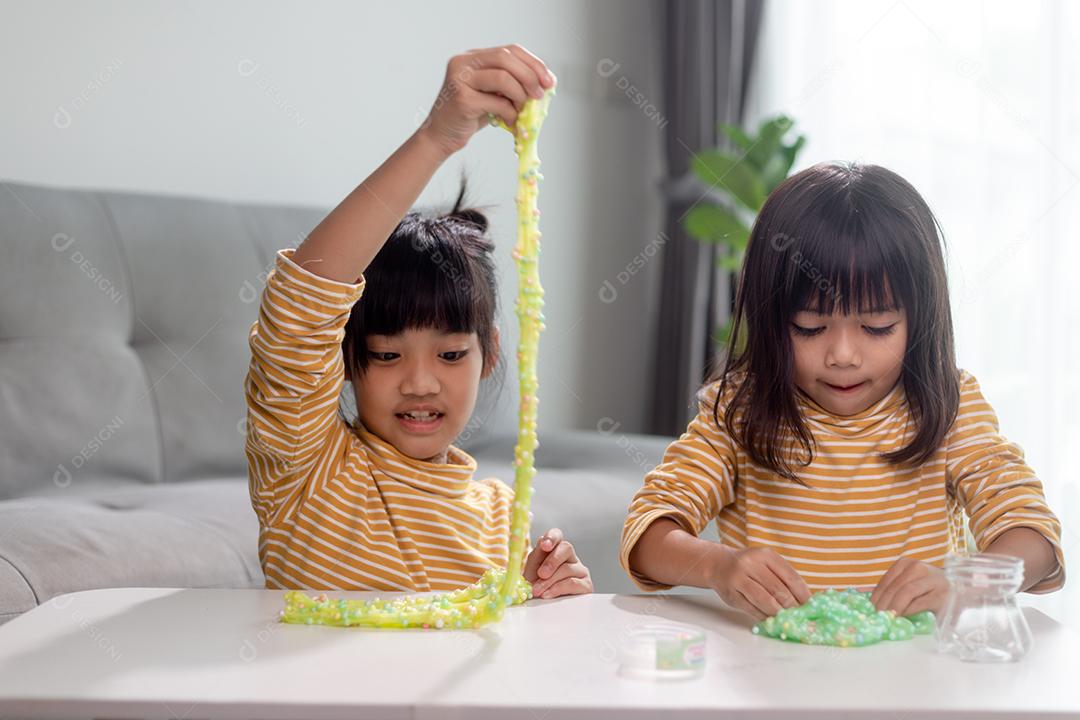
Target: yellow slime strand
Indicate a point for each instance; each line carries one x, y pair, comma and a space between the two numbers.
485, 600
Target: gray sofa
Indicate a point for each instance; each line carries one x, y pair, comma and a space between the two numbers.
123, 326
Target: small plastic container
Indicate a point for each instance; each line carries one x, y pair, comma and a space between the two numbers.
981, 621
663, 651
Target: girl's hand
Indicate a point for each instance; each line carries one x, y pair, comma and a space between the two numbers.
492, 80
911, 586
553, 568
758, 581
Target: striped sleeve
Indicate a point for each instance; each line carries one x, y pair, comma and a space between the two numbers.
692, 484
998, 489
294, 378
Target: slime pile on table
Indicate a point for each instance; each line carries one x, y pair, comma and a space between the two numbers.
484, 601
846, 618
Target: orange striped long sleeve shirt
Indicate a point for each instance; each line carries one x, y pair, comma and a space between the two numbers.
858, 514
338, 507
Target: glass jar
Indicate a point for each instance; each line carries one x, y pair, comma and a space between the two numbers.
981, 621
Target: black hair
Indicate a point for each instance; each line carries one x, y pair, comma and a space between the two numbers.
849, 236
433, 272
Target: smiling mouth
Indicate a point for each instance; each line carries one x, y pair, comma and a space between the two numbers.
420, 422
421, 415
846, 388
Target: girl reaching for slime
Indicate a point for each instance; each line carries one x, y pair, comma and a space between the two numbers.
839, 446
385, 501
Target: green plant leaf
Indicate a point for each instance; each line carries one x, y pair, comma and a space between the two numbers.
769, 141
723, 333
712, 223
739, 179
791, 151
775, 171
738, 136
764, 161
731, 262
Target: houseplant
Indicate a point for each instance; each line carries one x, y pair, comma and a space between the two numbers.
737, 184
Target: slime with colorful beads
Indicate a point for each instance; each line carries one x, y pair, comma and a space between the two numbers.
844, 618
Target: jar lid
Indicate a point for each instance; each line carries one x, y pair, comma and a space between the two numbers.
663, 651
985, 569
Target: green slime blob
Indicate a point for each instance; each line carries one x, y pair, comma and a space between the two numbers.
843, 618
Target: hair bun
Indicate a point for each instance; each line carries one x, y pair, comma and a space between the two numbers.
463, 214
470, 216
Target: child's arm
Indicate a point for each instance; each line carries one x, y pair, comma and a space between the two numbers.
689, 487
669, 555
756, 580
496, 81
296, 372
660, 547
1037, 552
1002, 494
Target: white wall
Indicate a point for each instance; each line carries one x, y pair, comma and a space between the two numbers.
297, 102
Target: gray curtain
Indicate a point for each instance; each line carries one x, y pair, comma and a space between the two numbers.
708, 47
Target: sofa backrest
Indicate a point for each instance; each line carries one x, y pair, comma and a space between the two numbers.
123, 333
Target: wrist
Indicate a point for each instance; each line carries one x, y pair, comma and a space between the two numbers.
717, 560
426, 141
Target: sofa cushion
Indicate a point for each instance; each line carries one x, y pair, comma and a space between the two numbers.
123, 327
16, 595
66, 371
196, 534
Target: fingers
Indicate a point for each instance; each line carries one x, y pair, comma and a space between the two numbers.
485, 83
911, 586
748, 594
794, 585
544, 545
563, 553
492, 80
570, 586
779, 580
890, 582
763, 583
913, 595
567, 571
495, 105
550, 539
758, 601
526, 68
775, 587
547, 78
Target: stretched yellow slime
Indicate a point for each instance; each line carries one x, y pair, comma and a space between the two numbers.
485, 600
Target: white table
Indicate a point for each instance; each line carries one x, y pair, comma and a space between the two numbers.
168, 653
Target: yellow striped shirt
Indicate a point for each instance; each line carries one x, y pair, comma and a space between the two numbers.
858, 514
338, 507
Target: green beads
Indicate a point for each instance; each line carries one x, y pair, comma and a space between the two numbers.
843, 618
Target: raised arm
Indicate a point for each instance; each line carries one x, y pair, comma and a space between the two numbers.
494, 81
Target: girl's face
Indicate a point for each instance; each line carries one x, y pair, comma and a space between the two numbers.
419, 388
846, 363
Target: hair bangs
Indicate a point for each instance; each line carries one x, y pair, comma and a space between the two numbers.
431, 273
850, 266
422, 281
